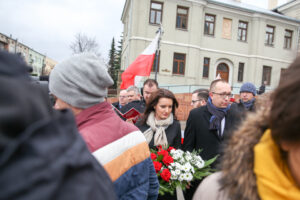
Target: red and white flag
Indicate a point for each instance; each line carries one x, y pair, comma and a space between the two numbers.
141, 66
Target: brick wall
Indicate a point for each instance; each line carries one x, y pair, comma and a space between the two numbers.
184, 108
184, 101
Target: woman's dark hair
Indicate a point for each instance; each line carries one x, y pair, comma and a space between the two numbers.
154, 98
285, 110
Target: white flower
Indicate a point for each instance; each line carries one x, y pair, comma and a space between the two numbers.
180, 152
188, 157
200, 164
173, 172
187, 167
175, 155
182, 160
181, 177
177, 172
178, 166
174, 177
173, 151
198, 158
188, 177
193, 170
172, 166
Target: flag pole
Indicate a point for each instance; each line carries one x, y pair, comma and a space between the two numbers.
157, 50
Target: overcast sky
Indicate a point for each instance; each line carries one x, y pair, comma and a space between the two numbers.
49, 26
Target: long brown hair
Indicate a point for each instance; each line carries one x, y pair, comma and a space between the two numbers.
153, 101
285, 110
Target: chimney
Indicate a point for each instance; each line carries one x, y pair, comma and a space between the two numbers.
272, 4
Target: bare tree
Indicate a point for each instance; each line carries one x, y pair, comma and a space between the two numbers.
83, 43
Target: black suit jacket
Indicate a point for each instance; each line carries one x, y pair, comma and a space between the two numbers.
198, 136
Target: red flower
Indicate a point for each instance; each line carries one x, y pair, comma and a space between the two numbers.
153, 156
162, 152
157, 166
167, 160
170, 149
166, 175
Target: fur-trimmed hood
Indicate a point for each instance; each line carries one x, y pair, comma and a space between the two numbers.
238, 178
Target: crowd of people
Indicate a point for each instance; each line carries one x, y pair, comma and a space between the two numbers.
87, 148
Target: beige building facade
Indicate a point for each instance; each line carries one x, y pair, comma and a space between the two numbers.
291, 9
203, 38
41, 64
49, 65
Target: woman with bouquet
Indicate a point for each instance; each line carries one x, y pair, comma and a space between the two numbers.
158, 123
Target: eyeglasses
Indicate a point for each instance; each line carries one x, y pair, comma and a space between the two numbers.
223, 95
194, 101
123, 96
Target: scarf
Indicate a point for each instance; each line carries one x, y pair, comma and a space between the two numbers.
217, 115
273, 178
249, 104
157, 128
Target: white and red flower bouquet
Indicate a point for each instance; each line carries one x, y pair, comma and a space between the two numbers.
176, 168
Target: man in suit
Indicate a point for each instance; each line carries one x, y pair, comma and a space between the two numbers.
199, 98
150, 86
123, 100
208, 125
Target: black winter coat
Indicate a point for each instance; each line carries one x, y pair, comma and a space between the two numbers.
198, 136
173, 133
42, 155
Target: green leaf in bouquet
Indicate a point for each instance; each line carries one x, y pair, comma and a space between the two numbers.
210, 161
201, 174
153, 151
159, 158
197, 152
164, 189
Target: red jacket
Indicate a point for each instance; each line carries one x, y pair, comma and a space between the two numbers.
122, 149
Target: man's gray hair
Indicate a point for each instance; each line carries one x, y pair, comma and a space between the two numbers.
133, 88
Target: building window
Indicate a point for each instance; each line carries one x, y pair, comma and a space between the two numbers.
242, 31
241, 72
179, 63
266, 75
154, 63
205, 72
182, 17
270, 35
209, 25
282, 71
288, 39
156, 12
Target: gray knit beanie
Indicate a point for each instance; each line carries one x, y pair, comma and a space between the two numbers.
248, 87
81, 81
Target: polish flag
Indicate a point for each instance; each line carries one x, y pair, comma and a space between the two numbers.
141, 66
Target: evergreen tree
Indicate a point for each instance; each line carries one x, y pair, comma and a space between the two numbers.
115, 60
119, 55
112, 63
